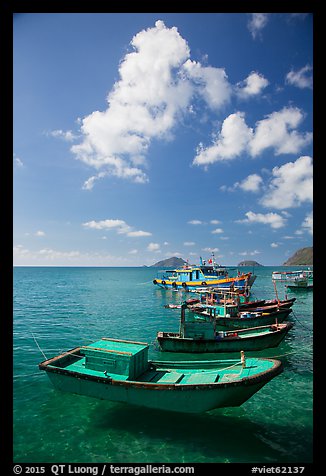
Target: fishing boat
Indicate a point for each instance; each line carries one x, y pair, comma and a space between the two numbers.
198, 333
204, 275
229, 317
267, 302
221, 297
119, 370
295, 280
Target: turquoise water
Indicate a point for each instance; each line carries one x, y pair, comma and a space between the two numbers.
56, 309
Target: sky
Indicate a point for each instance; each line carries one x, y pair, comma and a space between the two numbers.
142, 136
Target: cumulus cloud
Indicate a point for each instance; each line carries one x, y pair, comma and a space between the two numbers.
273, 219
18, 162
217, 231
249, 253
291, 185
52, 257
212, 83
153, 247
144, 104
276, 131
257, 23
195, 222
89, 183
39, 233
157, 82
120, 226
230, 142
252, 183
68, 136
301, 78
308, 223
251, 86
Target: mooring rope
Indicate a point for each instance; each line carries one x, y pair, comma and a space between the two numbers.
39, 347
305, 327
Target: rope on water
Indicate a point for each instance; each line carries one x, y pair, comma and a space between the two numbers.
305, 327
45, 357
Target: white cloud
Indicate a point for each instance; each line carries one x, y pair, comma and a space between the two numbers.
274, 245
308, 223
291, 185
212, 83
230, 142
18, 162
273, 219
39, 233
249, 253
139, 233
120, 226
217, 231
51, 257
68, 136
189, 243
215, 222
251, 86
145, 103
211, 250
301, 78
252, 183
276, 131
89, 183
153, 247
257, 23
133, 252
195, 222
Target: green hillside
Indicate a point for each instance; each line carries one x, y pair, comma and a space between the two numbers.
304, 256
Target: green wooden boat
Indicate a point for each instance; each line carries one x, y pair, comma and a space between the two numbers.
198, 333
120, 371
229, 318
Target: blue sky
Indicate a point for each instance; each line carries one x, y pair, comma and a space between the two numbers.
141, 136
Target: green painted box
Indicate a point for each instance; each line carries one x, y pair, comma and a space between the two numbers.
116, 357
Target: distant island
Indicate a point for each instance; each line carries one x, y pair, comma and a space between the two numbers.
249, 263
302, 257
173, 262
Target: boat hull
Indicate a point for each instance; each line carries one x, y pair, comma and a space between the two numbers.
238, 282
254, 341
196, 398
223, 323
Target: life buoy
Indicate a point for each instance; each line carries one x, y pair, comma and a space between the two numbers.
154, 281
204, 283
184, 285
164, 283
174, 284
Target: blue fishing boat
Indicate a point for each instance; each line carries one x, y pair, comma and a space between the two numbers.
119, 370
191, 277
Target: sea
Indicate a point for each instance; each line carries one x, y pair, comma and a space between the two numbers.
59, 308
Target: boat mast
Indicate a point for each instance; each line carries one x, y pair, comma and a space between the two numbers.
182, 319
